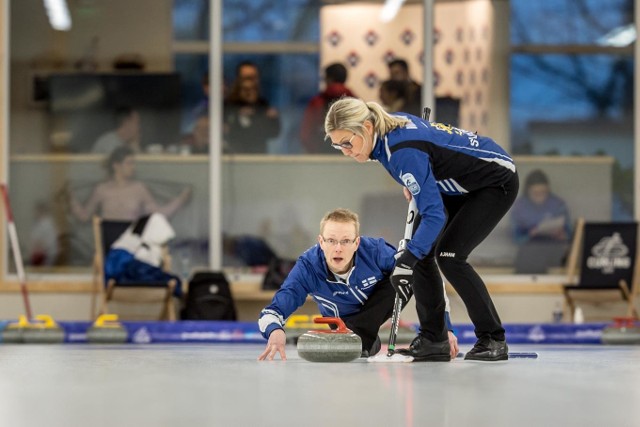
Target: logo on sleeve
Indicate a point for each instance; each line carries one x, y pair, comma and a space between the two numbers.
411, 183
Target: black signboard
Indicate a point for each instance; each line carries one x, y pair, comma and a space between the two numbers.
608, 253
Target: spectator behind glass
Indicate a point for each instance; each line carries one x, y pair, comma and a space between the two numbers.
126, 133
393, 95
197, 142
541, 226
247, 70
249, 120
201, 108
312, 134
538, 214
121, 197
399, 71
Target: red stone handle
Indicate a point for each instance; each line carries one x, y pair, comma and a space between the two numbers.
342, 328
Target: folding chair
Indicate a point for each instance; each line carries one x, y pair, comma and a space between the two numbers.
105, 233
608, 259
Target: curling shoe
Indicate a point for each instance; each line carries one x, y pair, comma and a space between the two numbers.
375, 349
486, 349
424, 350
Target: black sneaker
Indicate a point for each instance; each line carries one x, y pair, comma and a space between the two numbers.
375, 349
487, 349
425, 350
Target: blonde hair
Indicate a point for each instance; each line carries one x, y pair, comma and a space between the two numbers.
341, 215
351, 113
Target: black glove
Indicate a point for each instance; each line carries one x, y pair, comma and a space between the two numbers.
402, 274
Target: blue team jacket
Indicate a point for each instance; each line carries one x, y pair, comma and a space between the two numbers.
335, 298
431, 159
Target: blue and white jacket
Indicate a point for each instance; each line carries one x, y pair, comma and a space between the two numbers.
431, 159
373, 261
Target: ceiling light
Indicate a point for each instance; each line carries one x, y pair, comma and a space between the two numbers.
58, 13
390, 10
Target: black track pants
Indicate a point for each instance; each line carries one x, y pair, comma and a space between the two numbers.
375, 311
470, 220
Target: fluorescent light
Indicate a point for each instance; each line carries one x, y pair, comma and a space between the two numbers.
58, 13
390, 10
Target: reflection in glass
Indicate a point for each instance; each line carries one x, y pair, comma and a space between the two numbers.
576, 105
569, 21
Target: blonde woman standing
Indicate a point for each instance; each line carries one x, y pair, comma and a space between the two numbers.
463, 184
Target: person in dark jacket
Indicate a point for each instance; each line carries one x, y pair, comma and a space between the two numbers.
249, 120
348, 277
312, 128
463, 185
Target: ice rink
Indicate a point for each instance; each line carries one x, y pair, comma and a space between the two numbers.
224, 385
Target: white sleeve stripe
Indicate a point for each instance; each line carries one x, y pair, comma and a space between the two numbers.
329, 305
457, 186
332, 308
363, 294
356, 295
268, 317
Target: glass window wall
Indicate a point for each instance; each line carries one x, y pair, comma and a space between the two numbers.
96, 129
76, 94
572, 73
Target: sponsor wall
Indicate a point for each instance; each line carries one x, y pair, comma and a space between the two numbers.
355, 36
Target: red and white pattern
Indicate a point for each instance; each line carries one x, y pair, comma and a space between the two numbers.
461, 50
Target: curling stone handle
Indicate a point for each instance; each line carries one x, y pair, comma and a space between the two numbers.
333, 321
23, 322
106, 318
47, 320
297, 320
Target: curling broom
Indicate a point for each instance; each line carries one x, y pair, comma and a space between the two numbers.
15, 247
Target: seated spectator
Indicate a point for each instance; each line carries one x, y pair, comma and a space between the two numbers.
312, 135
249, 120
126, 133
541, 225
399, 71
393, 95
121, 197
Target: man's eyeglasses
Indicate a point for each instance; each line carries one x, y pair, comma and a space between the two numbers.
343, 242
344, 145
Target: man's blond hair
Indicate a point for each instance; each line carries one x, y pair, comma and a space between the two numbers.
341, 215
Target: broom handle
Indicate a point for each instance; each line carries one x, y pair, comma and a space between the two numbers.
15, 247
397, 305
408, 233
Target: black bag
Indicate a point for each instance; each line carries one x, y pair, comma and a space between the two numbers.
209, 298
279, 269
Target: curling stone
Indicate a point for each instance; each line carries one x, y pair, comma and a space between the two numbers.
624, 331
332, 345
44, 331
12, 333
107, 330
298, 324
